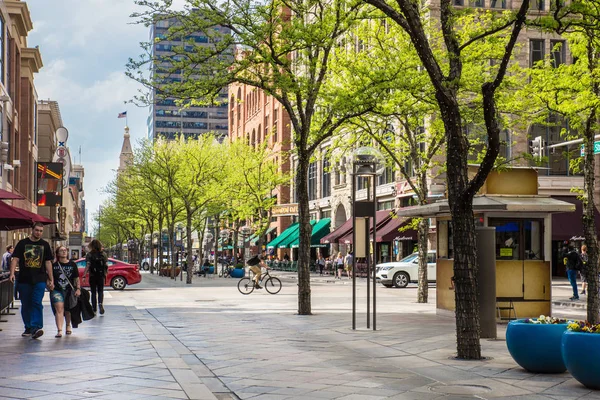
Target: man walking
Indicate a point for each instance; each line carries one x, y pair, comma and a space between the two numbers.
573, 263
34, 257
6, 258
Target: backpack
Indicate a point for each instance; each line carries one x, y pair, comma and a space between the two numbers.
98, 264
253, 261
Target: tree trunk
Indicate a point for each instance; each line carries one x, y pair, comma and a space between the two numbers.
423, 233
304, 301
463, 234
589, 225
190, 265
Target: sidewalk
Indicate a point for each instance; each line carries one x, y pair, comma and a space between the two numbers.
209, 342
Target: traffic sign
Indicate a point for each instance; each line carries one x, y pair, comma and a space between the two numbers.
596, 149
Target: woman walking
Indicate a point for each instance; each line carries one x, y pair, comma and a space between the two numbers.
66, 279
339, 263
97, 268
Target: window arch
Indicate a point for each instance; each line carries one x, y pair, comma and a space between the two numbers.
253, 137
239, 104
259, 134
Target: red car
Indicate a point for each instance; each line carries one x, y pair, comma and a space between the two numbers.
120, 274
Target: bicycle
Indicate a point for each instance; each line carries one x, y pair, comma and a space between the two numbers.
226, 268
272, 284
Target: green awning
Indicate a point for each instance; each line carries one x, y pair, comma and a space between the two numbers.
291, 238
254, 238
320, 229
275, 242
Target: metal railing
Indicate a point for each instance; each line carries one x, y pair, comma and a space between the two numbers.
7, 296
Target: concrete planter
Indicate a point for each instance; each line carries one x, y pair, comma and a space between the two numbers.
237, 273
581, 354
536, 347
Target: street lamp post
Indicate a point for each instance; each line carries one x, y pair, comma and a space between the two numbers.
245, 231
208, 237
223, 234
367, 163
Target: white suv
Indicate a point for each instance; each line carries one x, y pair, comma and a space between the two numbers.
400, 273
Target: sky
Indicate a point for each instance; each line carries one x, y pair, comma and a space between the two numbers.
85, 46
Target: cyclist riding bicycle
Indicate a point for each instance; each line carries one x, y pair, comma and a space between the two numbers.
256, 264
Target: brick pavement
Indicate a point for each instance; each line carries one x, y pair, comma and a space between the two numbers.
207, 342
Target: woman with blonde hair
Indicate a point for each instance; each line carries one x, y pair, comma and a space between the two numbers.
339, 262
66, 279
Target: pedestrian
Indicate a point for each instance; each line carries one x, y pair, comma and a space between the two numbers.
328, 266
339, 263
573, 263
34, 258
6, 258
348, 264
66, 278
584, 260
321, 263
97, 268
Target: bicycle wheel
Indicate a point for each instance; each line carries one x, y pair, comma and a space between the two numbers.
245, 286
273, 285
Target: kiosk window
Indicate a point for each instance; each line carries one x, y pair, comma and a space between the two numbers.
518, 239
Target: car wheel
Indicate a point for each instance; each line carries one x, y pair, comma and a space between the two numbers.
387, 285
401, 279
146, 266
118, 283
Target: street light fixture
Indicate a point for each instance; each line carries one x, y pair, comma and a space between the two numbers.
367, 163
245, 231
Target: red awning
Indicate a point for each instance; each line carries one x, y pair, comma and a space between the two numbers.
6, 195
332, 237
569, 226
390, 231
16, 218
382, 216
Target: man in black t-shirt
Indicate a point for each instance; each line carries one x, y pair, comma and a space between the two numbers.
34, 256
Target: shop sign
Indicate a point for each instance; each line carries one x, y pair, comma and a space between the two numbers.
506, 252
401, 238
281, 210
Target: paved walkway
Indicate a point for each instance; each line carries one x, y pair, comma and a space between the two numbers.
208, 342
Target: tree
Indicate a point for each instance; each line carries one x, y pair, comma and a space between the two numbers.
573, 91
285, 49
445, 72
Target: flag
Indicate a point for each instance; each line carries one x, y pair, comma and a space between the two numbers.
123, 115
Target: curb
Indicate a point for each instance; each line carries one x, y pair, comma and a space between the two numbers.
572, 304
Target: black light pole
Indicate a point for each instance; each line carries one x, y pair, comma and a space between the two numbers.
223, 234
368, 162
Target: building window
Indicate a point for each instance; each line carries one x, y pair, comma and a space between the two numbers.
459, 3
312, 181
536, 51
498, 4
537, 5
239, 104
388, 176
385, 205
2, 41
477, 3
326, 179
275, 123
266, 126
326, 214
505, 144
559, 52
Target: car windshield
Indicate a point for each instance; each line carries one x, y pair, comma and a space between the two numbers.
409, 258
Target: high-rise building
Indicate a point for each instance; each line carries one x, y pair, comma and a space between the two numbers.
167, 118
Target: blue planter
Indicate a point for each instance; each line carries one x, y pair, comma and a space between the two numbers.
237, 273
211, 270
536, 347
581, 354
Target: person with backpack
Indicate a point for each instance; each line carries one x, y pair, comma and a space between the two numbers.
573, 263
97, 267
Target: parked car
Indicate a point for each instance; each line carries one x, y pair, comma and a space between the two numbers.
120, 274
400, 273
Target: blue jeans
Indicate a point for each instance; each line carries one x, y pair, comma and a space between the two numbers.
572, 275
32, 310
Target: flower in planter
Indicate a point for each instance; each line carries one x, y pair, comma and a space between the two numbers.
545, 320
583, 326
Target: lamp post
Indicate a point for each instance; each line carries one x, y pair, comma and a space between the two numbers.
208, 237
179, 245
367, 163
245, 231
223, 234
